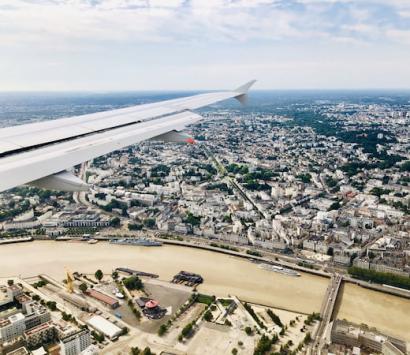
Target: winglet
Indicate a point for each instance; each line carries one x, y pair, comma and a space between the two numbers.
243, 92
245, 87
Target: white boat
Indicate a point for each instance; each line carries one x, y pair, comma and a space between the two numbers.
92, 241
137, 241
279, 269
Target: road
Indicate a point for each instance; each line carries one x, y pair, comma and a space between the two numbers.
79, 197
231, 181
326, 313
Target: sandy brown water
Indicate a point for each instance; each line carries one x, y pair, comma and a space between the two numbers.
224, 275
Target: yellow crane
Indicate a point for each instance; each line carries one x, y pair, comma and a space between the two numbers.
70, 280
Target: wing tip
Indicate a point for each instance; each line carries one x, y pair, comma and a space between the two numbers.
243, 89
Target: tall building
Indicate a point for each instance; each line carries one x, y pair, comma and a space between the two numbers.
34, 312
40, 334
75, 343
12, 327
36, 315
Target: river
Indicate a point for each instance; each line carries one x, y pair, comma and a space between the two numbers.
224, 275
388, 313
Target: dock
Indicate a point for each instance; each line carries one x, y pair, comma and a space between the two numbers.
136, 272
188, 278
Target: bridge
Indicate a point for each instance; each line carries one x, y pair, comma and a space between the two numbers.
326, 312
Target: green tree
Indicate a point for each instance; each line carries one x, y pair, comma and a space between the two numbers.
149, 223
274, 318
147, 351
133, 283
51, 305
186, 331
208, 316
83, 287
162, 330
134, 226
115, 222
99, 275
405, 166
192, 219
125, 331
264, 345
98, 336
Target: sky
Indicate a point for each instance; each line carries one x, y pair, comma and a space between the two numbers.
122, 45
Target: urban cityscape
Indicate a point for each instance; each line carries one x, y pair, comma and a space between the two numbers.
282, 227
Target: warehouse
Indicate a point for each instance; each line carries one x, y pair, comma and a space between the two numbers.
105, 327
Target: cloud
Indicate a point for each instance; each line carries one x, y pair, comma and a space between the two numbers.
52, 21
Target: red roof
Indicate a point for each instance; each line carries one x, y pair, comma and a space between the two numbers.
151, 304
102, 297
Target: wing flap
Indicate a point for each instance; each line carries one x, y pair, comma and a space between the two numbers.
62, 181
22, 168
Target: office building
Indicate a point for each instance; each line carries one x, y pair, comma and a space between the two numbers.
75, 343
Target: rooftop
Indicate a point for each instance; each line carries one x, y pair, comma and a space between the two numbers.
19, 351
38, 329
102, 297
104, 326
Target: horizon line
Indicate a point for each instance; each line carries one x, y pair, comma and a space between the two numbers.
104, 91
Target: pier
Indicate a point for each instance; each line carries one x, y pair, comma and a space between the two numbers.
136, 272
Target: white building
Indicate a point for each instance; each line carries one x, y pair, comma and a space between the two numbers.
105, 327
12, 327
75, 343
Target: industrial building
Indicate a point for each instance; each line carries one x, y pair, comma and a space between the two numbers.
103, 298
105, 327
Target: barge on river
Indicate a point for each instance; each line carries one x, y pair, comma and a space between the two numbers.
279, 269
145, 242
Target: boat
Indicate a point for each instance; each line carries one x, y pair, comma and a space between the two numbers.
145, 242
92, 241
15, 240
279, 269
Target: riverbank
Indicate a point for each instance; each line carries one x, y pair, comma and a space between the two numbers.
272, 260
372, 286
246, 256
223, 274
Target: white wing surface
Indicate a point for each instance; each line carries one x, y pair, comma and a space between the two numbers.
40, 153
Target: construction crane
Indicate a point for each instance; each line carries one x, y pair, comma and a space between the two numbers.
70, 280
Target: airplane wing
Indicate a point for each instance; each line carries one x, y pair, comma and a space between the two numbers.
39, 153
